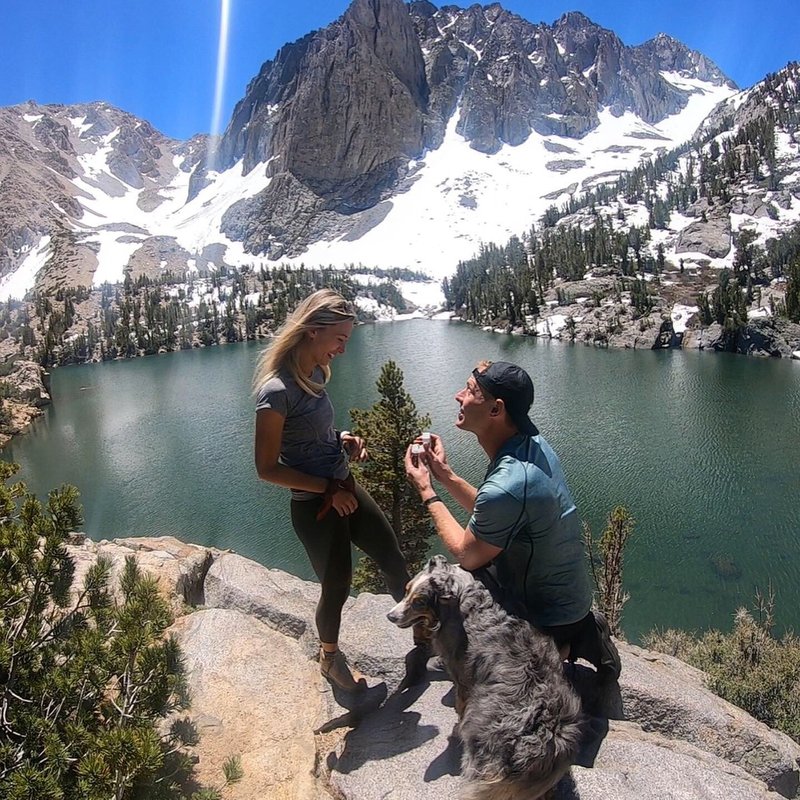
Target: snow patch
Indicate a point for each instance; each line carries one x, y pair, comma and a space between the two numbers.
680, 316
21, 281
552, 325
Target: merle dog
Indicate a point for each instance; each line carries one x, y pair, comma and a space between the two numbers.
520, 721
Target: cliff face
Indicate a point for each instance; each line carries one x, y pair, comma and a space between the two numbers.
257, 692
26, 386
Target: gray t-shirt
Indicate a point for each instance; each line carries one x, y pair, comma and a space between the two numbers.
525, 507
309, 443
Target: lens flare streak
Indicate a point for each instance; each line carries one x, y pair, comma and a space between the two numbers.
219, 84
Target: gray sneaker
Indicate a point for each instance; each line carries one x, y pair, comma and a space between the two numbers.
334, 667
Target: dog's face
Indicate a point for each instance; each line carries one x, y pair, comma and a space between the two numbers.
437, 581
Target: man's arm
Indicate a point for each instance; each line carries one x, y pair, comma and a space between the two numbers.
470, 551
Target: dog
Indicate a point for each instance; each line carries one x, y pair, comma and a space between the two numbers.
520, 722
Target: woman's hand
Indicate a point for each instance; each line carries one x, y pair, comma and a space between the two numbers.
341, 495
355, 447
344, 502
436, 459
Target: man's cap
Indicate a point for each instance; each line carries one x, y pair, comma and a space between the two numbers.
511, 384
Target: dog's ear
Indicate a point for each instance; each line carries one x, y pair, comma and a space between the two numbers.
437, 563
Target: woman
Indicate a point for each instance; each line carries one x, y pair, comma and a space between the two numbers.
296, 446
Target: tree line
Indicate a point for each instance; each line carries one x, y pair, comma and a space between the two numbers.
148, 315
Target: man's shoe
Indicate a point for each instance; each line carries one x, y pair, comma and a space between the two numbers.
608, 665
333, 666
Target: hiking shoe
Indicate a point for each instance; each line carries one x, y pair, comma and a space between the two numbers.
608, 663
333, 666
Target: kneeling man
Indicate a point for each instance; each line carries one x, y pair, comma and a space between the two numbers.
523, 539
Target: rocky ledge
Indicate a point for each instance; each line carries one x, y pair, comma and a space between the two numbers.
248, 639
25, 392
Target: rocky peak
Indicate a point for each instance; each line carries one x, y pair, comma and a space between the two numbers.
665, 53
337, 115
337, 123
44, 148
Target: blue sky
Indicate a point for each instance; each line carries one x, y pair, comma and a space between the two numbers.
158, 60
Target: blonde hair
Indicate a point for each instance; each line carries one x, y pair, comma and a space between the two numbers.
323, 307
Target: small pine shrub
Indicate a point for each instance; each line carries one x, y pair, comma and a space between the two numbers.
606, 560
748, 667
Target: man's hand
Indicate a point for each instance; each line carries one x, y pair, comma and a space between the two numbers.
436, 459
355, 447
418, 475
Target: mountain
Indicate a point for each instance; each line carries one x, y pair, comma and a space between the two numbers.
400, 135
697, 247
79, 186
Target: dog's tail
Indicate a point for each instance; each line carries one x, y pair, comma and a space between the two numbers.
537, 783
515, 790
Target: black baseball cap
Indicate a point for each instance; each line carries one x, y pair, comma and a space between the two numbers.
511, 384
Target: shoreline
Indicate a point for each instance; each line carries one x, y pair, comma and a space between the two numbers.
659, 333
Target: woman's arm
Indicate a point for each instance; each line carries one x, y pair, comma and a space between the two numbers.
269, 430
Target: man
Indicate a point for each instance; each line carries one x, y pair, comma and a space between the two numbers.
524, 536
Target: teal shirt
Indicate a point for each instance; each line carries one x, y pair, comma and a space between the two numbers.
524, 506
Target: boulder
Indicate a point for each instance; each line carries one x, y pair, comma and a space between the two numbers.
30, 383
664, 695
258, 693
179, 568
254, 695
633, 765
711, 236
283, 602
408, 745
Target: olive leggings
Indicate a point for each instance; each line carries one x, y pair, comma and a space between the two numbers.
327, 543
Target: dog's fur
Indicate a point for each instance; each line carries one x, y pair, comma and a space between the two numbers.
519, 719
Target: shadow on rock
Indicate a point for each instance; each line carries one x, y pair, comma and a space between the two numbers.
601, 702
358, 705
448, 762
599, 699
392, 730
565, 789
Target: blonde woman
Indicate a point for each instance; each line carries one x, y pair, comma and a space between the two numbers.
297, 446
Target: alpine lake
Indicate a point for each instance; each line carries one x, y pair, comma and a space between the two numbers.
703, 449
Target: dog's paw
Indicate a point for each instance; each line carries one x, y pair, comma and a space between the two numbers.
416, 667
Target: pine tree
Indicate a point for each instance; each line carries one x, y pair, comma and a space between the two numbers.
388, 428
793, 292
85, 678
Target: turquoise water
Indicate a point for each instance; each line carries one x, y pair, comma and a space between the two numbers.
702, 448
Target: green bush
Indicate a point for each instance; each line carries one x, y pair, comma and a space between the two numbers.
606, 560
748, 667
85, 677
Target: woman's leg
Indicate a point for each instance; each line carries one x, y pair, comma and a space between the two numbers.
327, 543
371, 532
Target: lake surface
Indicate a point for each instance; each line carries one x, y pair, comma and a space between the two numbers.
702, 448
